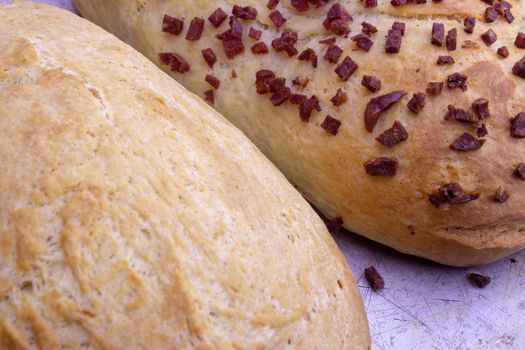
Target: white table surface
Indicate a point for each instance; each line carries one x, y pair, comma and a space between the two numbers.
428, 306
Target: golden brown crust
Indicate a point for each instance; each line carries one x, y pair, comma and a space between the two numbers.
135, 217
329, 170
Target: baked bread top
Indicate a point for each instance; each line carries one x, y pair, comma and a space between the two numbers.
134, 216
439, 176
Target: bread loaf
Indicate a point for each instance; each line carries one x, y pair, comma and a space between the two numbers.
136, 217
432, 184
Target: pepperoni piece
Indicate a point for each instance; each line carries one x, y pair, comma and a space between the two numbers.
373, 277
517, 126
346, 68
503, 52
368, 29
378, 105
434, 88
489, 37
176, 61
457, 80
417, 102
391, 137
209, 96
195, 30
307, 107
331, 125
277, 18
438, 34
309, 55
286, 42
371, 82
254, 33
451, 39
445, 60
281, 96
209, 57
300, 5
244, 12
260, 48
466, 142
172, 25
501, 196
363, 42
213, 81
333, 53
340, 98
386, 167
232, 39
451, 193
217, 17
470, 24
519, 68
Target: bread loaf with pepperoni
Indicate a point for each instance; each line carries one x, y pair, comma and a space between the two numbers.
400, 117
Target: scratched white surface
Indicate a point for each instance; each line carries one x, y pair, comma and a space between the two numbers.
428, 306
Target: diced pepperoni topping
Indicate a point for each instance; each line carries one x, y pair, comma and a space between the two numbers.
213, 81
503, 52
378, 105
467, 142
217, 17
519, 68
520, 41
260, 48
309, 55
277, 18
244, 12
517, 126
391, 137
368, 29
339, 98
333, 53
519, 171
363, 42
195, 30
346, 68
382, 167
307, 107
481, 107
232, 39
209, 96
451, 193
489, 37
300, 5
331, 125
176, 61
286, 42
209, 57
371, 82
457, 80
501, 196
434, 88
470, 23
281, 96
254, 33
172, 25
445, 60
451, 40
272, 4
438, 34
417, 102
